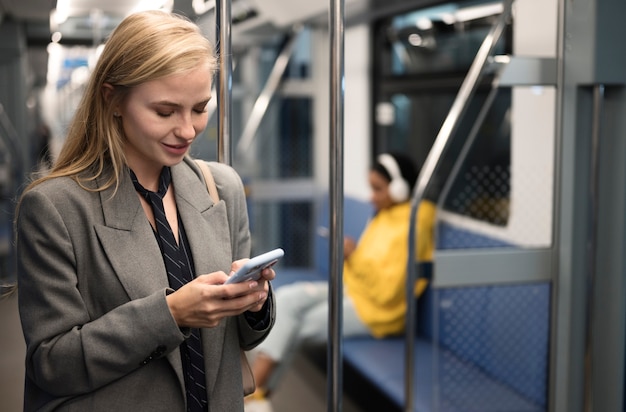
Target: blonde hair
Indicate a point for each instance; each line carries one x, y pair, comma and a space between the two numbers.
145, 46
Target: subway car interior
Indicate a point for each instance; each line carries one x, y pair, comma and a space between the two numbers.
514, 109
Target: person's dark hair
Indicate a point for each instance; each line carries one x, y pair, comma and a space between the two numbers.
400, 171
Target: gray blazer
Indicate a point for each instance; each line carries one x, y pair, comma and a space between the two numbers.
92, 287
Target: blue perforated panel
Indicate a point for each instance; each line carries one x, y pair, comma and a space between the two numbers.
501, 331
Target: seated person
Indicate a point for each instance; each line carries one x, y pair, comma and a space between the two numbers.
374, 276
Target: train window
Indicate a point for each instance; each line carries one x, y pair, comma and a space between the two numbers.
282, 142
277, 166
288, 139
421, 59
438, 39
481, 187
300, 62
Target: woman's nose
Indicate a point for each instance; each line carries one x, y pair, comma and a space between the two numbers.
185, 128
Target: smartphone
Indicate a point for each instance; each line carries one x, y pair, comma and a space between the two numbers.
251, 270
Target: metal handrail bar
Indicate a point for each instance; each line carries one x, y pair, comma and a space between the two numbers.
591, 276
211, 107
442, 142
225, 84
269, 90
336, 130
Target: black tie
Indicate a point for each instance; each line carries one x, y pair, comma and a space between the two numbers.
178, 273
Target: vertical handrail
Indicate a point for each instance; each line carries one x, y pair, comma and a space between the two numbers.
225, 84
592, 243
335, 324
269, 90
442, 142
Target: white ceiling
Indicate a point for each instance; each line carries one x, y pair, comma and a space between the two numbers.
78, 17
77, 29
277, 13
110, 7
39, 10
263, 19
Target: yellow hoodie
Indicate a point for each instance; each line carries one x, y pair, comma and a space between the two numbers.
375, 273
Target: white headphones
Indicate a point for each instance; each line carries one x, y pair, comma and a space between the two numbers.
399, 190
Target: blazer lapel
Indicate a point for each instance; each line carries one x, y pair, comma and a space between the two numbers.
125, 231
206, 224
125, 227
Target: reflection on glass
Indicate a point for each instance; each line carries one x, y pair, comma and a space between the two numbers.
444, 38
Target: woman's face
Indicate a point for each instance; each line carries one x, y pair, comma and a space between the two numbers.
161, 118
380, 191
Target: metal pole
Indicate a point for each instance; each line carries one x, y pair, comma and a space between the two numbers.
592, 243
335, 324
225, 84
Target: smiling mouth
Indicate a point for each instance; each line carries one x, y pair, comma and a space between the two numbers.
177, 146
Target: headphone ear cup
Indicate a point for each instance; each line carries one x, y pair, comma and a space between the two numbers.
398, 190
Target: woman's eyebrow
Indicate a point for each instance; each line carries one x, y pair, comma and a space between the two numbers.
177, 105
166, 103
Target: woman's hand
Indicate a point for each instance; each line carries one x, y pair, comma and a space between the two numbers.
205, 301
260, 286
349, 244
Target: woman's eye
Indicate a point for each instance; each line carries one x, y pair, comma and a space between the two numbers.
200, 110
164, 114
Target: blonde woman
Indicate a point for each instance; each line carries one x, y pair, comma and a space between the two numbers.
121, 297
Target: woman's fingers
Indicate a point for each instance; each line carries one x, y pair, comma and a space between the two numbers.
205, 301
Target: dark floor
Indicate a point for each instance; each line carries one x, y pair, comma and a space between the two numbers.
304, 388
12, 352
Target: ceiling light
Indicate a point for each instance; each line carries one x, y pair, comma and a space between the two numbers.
448, 18
202, 6
143, 5
56, 37
477, 12
424, 24
60, 14
415, 39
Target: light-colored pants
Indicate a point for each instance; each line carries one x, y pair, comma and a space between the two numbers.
302, 316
